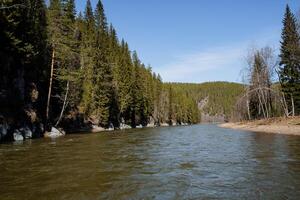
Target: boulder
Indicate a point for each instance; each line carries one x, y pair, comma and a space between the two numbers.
164, 124
96, 129
139, 126
18, 135
54, 133
26, 132
173, 122
111, 127
151, 125
124, 126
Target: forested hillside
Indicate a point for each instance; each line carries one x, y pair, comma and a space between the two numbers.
213, 98
65, 69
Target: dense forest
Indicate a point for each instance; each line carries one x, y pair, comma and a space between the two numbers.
214, 98
69, 70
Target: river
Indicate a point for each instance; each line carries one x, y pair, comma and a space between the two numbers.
192, 162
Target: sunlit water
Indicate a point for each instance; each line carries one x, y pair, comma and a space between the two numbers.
195, 162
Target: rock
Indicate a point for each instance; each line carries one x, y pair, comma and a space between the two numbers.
202, 103
111, 127
151, 125
139, 126
124, 126
174, 123
96, 129
27, 133
54, 133
18, 136
164, 124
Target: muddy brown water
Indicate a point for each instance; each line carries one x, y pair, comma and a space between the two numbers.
192, 162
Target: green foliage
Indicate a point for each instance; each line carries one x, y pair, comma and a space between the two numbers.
23, 54
290, 61
96, 75
221, 95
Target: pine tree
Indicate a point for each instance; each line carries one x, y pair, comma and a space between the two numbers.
36, 68
290, 62
171, 109
65, 56
138, 115
103, 74
23, 61
101, 21
124, 81
87, 59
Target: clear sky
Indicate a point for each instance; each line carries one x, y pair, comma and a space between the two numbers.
196, 40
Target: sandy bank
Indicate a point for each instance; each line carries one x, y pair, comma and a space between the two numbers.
288, 126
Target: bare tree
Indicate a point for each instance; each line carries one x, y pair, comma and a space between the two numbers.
261, 98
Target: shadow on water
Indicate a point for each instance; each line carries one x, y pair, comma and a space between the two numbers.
194, 162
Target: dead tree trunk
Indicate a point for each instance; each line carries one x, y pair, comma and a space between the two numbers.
293, 105
248, 107
285, 107
64, 104
50, 85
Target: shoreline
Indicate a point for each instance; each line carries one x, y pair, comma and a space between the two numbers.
284, 126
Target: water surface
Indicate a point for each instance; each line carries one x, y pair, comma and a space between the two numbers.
193, 162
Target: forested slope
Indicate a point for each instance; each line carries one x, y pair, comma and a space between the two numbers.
70, 70
213, 98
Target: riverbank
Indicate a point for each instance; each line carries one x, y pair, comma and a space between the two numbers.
288, 126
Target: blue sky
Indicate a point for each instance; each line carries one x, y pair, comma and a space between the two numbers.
196, 40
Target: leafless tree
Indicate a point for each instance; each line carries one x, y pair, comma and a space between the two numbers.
262, 98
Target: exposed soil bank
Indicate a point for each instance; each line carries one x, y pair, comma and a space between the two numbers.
288, 126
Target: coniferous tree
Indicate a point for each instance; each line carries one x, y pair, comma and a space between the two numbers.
290, 62
124, 81
103, 74
65, 56
87, 59
90, 73
23, 61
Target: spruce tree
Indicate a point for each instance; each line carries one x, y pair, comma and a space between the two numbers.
87, 59
101, 21
124, 78
138, 97
103, 74
290, 62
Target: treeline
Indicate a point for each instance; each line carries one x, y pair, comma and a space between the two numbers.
98, 74
264, 98
63, 69
213, 98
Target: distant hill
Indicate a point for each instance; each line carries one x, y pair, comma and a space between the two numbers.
214, 98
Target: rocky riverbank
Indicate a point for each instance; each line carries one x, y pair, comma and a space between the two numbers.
288, 126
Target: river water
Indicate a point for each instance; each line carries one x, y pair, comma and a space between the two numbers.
192, 162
